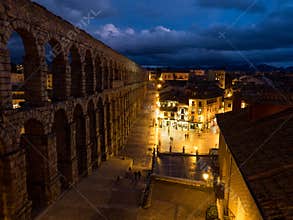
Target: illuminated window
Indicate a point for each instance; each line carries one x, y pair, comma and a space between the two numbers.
199, 118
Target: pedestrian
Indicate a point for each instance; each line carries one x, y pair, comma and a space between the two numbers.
135, 176
117, 179
139, 175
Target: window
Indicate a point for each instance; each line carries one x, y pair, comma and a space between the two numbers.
182, 117
172, 114
165, 114
192, 103
229, 105
199, 111
199, 104
182, 111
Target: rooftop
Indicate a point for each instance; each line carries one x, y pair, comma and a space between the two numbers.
263, 152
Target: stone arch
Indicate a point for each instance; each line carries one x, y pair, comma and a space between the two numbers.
102, 131
116, 71
93, 134
111, 72
99, 74
34, 91
80, 140
108, 120
61, 129
57, 72
106, 73
89, 73
76, 72
33, 140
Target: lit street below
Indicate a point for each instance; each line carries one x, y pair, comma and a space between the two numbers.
194, 141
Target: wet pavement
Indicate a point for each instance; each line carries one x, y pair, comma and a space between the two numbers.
182, 166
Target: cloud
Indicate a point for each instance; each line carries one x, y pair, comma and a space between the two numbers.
262, 42
243, 5
130, 28
75, 10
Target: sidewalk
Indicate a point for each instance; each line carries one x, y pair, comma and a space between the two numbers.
99, 196
141, 140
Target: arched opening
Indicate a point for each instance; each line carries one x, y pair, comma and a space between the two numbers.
25, 63
56, 75
62, 131
34, 142
106, 74
76, 76
102, 129
3, 184
99, 76
116, 72
111, 73
109, 127
89, 73
93, 135
80, 140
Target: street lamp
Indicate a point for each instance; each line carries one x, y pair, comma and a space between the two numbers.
205, 176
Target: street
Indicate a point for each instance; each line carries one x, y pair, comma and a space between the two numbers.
101, 196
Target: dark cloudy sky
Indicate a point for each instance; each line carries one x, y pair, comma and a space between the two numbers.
188, 32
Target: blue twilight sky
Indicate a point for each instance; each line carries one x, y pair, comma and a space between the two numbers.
188, 32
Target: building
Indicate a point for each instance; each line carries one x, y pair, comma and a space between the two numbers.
166, 76
18, 93
203, 109
219, 76
198, 72
173, 109
205, 101
190, 105
255, 155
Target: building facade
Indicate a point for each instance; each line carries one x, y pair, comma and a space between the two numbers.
166, 76
202, 111
255, 168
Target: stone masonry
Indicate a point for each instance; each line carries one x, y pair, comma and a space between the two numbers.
52, 143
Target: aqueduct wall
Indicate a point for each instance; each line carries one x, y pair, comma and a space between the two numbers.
51, 143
